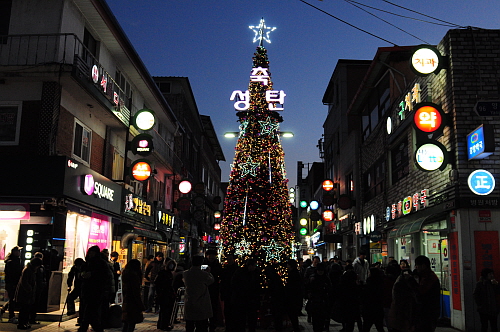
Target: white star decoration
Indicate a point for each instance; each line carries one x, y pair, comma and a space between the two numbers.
249, 167
260, 30
273, 250
242, 248
268, 127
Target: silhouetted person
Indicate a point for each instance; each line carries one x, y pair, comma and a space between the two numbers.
25, 292
131, 288
75, 281
13, 271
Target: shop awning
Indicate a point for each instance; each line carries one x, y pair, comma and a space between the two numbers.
407, 228
147, 233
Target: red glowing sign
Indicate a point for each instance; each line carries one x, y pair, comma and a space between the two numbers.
216, 227
141, 170
328, 215
428, 118
327, 185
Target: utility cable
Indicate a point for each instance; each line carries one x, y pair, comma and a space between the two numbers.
408, 17
352, 3
413, 11
351, 25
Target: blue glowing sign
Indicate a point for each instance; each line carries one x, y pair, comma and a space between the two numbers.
480, 142
481, 182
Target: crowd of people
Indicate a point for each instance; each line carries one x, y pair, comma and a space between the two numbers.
394, 298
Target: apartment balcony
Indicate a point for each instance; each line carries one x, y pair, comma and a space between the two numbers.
62, 54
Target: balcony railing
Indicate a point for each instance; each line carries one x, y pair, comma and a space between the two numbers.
40, 51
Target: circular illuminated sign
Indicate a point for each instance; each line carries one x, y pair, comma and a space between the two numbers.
303, 231
303, 204
327, 185
144, 119
481, 182
388, 125
314, 205
303, 221
216, 227
428, 117
431, 156
425, 60
217, 214
328, 215
142, 144
185, 186
141, 170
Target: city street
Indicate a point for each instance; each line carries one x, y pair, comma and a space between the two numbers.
149, 325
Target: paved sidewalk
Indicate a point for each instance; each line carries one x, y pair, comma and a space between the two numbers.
149, 325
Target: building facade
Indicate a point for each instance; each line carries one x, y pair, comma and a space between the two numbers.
427, 162
71, 87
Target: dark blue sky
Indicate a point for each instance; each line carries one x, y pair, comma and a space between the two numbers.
210, 43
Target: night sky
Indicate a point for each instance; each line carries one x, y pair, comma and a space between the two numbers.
210, 43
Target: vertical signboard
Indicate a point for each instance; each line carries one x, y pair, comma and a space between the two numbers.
455, 270
99, 231
487, 251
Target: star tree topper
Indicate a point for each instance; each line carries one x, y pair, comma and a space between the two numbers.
262, 32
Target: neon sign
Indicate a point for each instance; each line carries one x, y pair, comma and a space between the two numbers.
410, 203
91, 187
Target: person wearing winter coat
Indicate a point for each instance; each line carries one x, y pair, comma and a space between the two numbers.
349, 301
428, 296
96, 286
361, 267
485, 295
13, 271
293, 294
392, 272
228, 270
75, 281
165, 295
25, 292
245, 296
150, 275
214, 289
197, 304
372, 304
319, 290
403, 312
131, 289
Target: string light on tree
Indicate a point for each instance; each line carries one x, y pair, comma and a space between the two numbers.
257, 220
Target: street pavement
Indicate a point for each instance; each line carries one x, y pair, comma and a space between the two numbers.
149, 325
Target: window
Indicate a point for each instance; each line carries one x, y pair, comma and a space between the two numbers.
10, 123
118, 163
82, 139
400, 161
374, 179
5, 12
164, 87
125, 94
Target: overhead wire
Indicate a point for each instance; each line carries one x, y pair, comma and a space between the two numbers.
352, 3
345, 22
451, 25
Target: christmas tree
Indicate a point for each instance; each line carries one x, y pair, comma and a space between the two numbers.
257, 219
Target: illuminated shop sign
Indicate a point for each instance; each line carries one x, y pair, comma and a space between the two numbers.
369, 224
412, 98
274, 98
431, 156
141, 170
415, 202
426, 60
428, 117
481, 182
92, 187
165, 219
137, 205
106, 87
142, 144
480, 142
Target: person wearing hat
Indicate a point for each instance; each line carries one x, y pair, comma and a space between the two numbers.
13, 271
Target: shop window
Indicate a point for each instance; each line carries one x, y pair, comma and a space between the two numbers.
82, 140
434, 244
400, 161
10, 123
